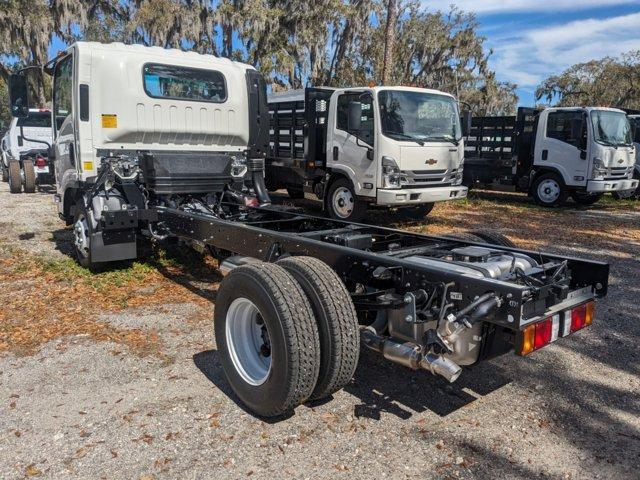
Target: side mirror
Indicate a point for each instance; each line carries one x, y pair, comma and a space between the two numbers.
18, 95
354, 118
465, 123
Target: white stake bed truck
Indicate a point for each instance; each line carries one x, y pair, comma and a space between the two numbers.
554, 153
163, 143
356, 148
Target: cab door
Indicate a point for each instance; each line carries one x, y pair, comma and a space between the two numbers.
352, 152
563, 147
64, 144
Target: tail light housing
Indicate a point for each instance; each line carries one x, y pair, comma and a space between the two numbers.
540, 334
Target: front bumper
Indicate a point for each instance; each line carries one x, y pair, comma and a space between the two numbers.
603, 186
414, 196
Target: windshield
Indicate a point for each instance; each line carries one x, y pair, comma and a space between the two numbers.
36, 119
419, 116
611, 128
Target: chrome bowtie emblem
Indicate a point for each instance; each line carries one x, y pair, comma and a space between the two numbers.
431, 161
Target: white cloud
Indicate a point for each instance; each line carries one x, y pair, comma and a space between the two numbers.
510, 6
529, 56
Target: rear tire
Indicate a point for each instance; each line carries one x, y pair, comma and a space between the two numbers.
342, 203
15, 179
418, 212
336, 318
495, 238
29, 176
295, 193
5, 173
585, 198
262, 303
549, 190
465, 237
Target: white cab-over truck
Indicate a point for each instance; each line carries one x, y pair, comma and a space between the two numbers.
24, 151
160, 144
362, 147
554, 153
634, 120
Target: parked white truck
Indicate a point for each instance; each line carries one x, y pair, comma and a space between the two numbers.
360, 147
634, 120
24, 151
554, 153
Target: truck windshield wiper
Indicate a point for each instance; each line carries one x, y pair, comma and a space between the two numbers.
408, 137
444, 138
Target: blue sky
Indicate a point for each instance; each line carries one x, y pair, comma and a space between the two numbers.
533, 39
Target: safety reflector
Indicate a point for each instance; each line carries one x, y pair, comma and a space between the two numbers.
555, 327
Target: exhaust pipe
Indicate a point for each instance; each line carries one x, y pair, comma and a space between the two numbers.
256, 167
409, 355
442, 366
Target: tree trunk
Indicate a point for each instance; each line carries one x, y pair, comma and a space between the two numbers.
389, 39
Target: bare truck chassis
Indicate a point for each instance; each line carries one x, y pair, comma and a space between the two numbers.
429, 302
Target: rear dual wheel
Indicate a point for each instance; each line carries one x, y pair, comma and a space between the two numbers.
15, 177
286, 332
29, 176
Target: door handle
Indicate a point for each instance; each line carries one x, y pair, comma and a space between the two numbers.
545, 154
335, 153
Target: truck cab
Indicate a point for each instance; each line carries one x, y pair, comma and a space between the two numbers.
582, 152
359, 147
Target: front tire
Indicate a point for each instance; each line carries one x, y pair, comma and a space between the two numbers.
15, 178
342, 203
585, 198
29, 176
419, 212
82, 236
549, 190
267, 337
629, 194
336, 318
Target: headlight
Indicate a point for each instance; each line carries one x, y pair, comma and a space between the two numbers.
599, 169
390, 173
457, 178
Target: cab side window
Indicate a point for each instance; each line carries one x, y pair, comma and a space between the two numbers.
366, 132
559, 126
62, 90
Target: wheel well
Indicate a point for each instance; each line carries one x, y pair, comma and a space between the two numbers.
334, 177
537, 173
71, 196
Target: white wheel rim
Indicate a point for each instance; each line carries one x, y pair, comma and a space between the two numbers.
343, 202
549, 190
81, 235
248, 341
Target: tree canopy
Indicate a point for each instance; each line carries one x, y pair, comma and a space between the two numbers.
609, 81
293, 43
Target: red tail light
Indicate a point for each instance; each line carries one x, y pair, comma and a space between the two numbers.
40, 162
578, 318
539, 334
543, 333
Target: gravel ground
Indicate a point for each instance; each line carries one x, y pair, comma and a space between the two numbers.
77, 407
